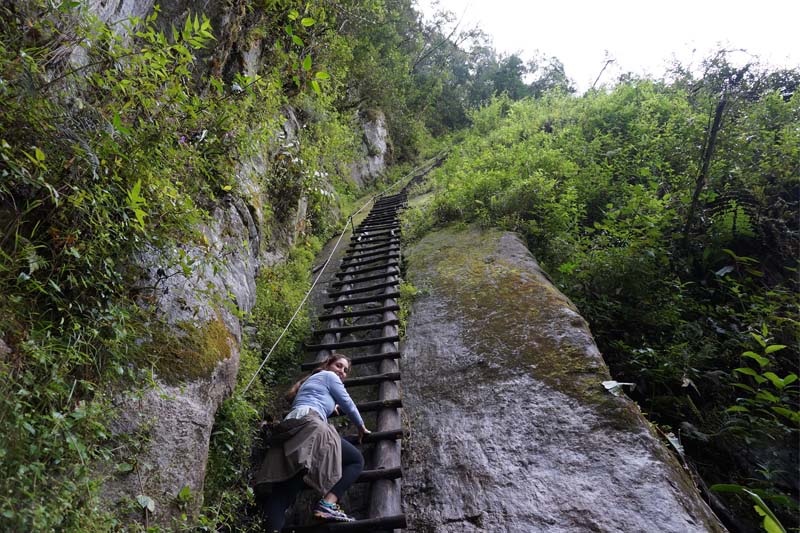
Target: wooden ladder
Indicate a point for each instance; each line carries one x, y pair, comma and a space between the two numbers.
360, 320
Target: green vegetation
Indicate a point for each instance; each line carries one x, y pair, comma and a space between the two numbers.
665, 210
122, 137
668, 212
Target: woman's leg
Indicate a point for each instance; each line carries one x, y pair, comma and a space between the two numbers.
282, 496
352, 465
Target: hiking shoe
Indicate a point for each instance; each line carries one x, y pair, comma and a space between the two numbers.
331, 512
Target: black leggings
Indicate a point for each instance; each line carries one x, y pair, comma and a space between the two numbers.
285, 492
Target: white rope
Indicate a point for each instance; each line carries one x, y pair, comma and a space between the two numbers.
322, 271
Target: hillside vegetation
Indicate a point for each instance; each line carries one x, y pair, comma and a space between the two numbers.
668, 211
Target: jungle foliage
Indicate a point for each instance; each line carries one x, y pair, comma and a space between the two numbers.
668, 211
122, 136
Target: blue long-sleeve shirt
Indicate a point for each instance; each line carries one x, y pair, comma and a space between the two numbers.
322, 391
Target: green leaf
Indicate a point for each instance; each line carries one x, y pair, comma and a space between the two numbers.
791, 378
774, 348
146, 502
727, 487
124, 467
768, 396
773, 377
185, 493
794, 416
750, 372
227, 187
307, 63
117, 123
297, 40
762, 361
322, 75
315, 86
307, 22
771, 523
294, 14
737, 409
759, 339
39, 154
744, 387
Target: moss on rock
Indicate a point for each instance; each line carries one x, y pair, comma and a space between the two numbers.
187, 351
511, 315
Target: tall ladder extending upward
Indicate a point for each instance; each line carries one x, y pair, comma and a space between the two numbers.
361, 321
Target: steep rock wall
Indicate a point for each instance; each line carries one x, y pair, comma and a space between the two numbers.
171, 420
375, 148
202, 286
510, 427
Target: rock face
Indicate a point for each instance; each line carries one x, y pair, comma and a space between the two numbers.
510, 428
374, 147
196, 287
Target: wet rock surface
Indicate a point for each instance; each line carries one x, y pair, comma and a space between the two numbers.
510, 428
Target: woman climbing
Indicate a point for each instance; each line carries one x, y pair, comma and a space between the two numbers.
311, 452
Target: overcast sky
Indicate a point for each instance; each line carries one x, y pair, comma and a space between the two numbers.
642, 36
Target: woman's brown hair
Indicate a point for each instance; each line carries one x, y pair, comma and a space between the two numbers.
324, 365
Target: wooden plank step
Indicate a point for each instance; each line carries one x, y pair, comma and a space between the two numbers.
362, 300
383, 285
360, 312
371, 380
383, 257
358, 254
351, 344
382, 221
382, 244
381, 473
357, 327
377, 227
374, 217
359, 360
390, 264
376, 436
384, 523
368, 234
390, 205
377, 405
363, 279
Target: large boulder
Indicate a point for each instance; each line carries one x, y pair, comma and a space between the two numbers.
510, 426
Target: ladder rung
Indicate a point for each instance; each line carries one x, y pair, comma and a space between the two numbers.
377, 405
371, 380
360, 360
357, 327
383, 257
390, 264
362, 300
336, 294
377, 227
363, 279
360, 312
349, 257
369, 525
380, 473
391, 240
376, 436
351, 344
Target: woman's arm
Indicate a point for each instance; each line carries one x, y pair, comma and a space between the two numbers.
341, 397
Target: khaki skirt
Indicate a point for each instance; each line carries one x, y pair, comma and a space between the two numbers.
307, 444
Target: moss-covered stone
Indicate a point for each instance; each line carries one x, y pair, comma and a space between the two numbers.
512, 315
187, 351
